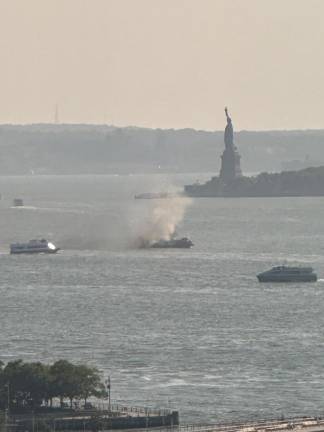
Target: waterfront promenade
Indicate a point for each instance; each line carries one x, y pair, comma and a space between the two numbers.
151, 422
116, 418
303, 424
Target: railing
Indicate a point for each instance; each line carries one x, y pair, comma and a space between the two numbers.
118, 408
262, 425
143, 411
95, 411
248, 426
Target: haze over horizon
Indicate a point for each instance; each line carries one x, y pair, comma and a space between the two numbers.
163, 64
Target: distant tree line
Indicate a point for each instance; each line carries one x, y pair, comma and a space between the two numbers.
95, 149
32, 385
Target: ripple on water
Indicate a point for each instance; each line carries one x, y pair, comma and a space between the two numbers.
194, 329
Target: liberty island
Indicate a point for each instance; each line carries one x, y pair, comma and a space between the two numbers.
231, 182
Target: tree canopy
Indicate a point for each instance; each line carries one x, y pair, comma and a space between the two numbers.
32, 385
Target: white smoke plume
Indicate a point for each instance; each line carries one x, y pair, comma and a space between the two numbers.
158, 219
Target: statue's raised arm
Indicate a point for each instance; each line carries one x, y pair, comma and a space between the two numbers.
228, 136
227, 116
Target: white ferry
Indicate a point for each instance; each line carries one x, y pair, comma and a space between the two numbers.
33, 246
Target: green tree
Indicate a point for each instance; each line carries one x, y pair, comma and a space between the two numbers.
30, 385
89, 382
26, 384
35, 384
63, 381
13, 377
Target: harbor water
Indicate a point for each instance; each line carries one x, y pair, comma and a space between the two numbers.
189, 329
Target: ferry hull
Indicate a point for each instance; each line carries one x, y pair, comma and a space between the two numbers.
47, 251
287, 278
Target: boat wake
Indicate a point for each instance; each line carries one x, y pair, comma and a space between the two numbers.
23, 208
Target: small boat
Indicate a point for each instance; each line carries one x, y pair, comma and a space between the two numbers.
34, 246
156, 195
184, 243
288, 274
18, 202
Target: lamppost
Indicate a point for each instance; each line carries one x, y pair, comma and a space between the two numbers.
8, 397
108, 387
7, 412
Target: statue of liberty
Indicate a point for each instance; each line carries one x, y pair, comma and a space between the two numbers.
230, 168
228, 135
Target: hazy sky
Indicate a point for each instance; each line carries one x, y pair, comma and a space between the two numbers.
163, 63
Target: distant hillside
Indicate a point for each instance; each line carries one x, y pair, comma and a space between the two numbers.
77, 149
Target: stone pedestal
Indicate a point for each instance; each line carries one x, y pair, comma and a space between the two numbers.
231, 167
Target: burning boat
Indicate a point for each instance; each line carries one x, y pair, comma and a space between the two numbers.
184, 243
181, 243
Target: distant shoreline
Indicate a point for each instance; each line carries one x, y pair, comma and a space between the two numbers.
306, 182
103, 149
